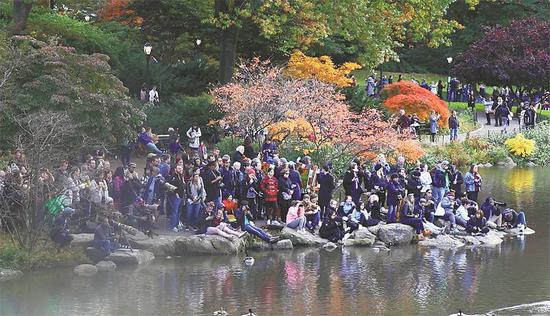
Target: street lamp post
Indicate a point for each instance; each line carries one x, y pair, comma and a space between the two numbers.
147, 48
449, 61
198, 41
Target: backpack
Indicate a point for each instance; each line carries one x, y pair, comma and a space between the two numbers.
55, 205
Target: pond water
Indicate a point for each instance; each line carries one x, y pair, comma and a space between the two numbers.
353, 281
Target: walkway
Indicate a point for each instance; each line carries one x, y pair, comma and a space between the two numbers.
482, 131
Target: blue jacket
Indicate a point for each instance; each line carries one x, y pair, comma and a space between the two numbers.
394, 190
438, 179
469, 184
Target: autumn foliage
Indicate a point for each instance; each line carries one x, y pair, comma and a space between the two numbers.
409, 96
118, 10
322, 69
261, 96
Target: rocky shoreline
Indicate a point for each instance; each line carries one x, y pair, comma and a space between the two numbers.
380, 237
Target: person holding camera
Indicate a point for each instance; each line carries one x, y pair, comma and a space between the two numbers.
104, 238
196, 195
395, 195
492, 212
60, 231
472, 183
176, 196
296, 218
286, 189
213, 183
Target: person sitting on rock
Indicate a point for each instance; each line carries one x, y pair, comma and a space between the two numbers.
295, 217
60, 231
312, 211
448, 204
104, 237
374, 208
513, 219
332, 227
477, 224
410, 217
346, 208
244, 218
362, 217
214, 225
429, 206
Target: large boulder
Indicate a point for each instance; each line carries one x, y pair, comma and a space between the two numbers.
82, 240
160, 246
468, 240
95, 255
361, 238
330, 246
490, 239
443, 242
127, 256
85, 270
395, 234
10, 274
507, 162
374, 229
302, 238
105, 266
209, 244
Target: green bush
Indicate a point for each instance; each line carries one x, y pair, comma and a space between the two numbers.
181, 112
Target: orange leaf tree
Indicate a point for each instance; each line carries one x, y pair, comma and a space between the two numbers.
409, 96
118, 10
322, 69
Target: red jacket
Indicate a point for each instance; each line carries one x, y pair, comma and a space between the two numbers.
270, 187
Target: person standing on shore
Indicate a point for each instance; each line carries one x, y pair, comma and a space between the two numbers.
472, 183
434, 117
453, 126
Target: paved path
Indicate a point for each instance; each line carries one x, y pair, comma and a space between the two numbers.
482, 131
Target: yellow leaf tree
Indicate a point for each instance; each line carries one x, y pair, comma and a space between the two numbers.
320, 68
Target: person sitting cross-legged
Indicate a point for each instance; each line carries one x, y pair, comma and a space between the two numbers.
477, 224
295, 217
104, 237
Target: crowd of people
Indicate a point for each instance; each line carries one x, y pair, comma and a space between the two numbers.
226, 195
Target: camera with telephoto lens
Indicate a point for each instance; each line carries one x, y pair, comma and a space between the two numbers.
503, 204
168, 187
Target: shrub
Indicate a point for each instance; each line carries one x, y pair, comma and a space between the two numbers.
409, 96
520, 146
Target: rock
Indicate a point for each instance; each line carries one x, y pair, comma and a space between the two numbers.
330, 246
127, 256
209, 244
85, 270
10, 274
82, 240
443, 242
105, 266
491, 239
508, 162
94, 254
515, 231
361, 238
530, 164
284, 244
485, 165
468, 240
160, 246
394, 234
374, 229
303, 238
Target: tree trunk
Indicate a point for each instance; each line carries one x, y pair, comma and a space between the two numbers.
228, 53
228, 41
21, 10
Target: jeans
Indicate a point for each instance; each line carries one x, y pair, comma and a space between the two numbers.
472, 195
461, 222
192, 215
521, 218
313, 220
449, 216
438, 194
253, 230
105, 245
392, 213
153, 148
175, 203
298, 223
454, 133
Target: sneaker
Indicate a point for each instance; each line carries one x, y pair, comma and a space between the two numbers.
275, 223
175, 229
268, 222
180, 225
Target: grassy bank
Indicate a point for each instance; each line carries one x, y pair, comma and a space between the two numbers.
46, 255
